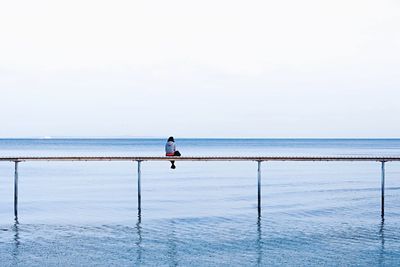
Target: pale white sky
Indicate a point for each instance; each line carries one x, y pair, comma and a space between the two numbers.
284, 68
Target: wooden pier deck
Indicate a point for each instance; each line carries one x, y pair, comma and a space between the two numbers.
201, 158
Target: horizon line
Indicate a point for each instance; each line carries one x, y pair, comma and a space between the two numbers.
186, 137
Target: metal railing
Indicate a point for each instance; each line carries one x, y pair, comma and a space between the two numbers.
259, 160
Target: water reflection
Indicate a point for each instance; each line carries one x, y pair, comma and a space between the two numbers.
17, 242
382, 239
139, 241
172, 248
259, 240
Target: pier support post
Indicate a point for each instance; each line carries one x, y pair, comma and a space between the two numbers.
383, 190
259, 187
139, 188
16, 191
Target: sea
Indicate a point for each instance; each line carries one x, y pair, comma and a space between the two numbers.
201, 213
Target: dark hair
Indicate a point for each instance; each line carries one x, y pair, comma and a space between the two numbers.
171, 139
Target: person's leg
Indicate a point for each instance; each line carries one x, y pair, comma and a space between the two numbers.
176, 153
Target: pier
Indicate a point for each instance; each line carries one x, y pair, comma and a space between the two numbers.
258, 160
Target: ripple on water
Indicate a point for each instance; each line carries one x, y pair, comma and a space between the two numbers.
214, 241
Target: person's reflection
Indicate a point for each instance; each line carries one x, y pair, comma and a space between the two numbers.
15, 252
139, 241
172, 250
382, 238
259, 242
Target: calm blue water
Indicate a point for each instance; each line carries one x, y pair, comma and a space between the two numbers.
202, 213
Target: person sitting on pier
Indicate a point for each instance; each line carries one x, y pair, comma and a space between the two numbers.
170, 150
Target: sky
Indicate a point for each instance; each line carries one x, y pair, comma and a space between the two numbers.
220, 68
